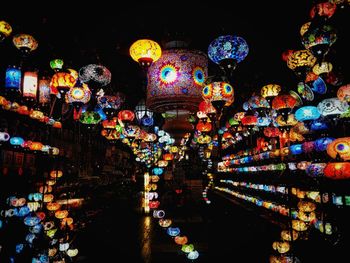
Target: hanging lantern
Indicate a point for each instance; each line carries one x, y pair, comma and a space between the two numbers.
339, 148
126, 116
227, 51
30, 85
343, 93
111, 103
25, 43
319, 40
281, 246
173, 231
181, 240
95, 75
249, 120
60, 214
193, 255
283, 104
324, 10
187, 248
145, 51
79, 95
175, 81
300, 62
56, 64
13, 78
269, 91
5, 30
141, 111
220, 94
322, 68
288, 234
337, 171
62, 82
271, 132
90, 118
332, 106
16, 141
168, 156
299, 225
307, 113
165, 223
204, 127
286, 54
44, 91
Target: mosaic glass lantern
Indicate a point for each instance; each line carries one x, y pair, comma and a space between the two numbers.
227, 51
62, 82
283, 104
25, 43
220, 94
145, 52
95, 75
126, 116
175, 81
142, 111
323, 10
5, 30
44, 91
56, 64
307, 113
111, 103
343, 93
300, 62
339, 148
337, 171
269, 91
332, 106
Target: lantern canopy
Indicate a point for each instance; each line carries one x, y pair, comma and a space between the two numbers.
62, 82
145, 51
339, 148
269, 91
175, 80
25, 43
332, 106
336, 171
228, 51
56, 64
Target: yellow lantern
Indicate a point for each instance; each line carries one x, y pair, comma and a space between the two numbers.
24, 42
281, 246
286, 235
306, 206
299, 225
270, 90
5, 30
306, 217
56, 174
60, 214
324, 67
165, 222
145, 51
304, 28
48, 198
301, 58
339, 148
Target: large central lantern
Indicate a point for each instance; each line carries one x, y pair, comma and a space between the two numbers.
175, 81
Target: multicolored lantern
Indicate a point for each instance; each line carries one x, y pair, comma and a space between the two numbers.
227, 51
25, 43
332, 106
337, 171
323, 9
5, 30
44, 91
13, 78
175, 80
56, 64
307, 113
343, 93
219, 94
62, 82
95, 75
339, 148
145, 51
300, 62
126, 116
283, 104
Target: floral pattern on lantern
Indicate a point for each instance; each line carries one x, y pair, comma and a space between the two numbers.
126, 115
324, 9
339, 148
270, 90
176, 79
25, 42
218, 91
332, 106
301, 58
307, 113
78, 94
5, 30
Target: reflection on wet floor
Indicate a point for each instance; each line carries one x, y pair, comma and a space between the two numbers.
146, 238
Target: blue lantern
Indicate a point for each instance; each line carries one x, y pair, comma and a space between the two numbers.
307, 113
318, 125
263, 122
319, 86
23, 211
228, 51
19, 248
322, 143
13, 78
147, 121
16, 141
157, 171
296, 149
173, 231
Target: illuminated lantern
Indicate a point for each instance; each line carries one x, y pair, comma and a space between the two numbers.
322, 68
315, 169
206, 107
271, 132
44, 91
307, 113
56, 64
291, 121
339, 148
204, 139
343, 93
308, 147
60, 214
332, 106
304, 28
145, 52
227, 51
220, 94
4, 136
16, 141
25, 43
306, 206
321, 144
337, 171
287, 236
36, 146
141, 111
61, 82
162, 163
53, 206
126, 116
281, 246
90, 118
13, 78
157, 171
132, 131
30, 85
204, 127
95, 75
79, 95
111, 103
300, 62
249, 120
187, 248
31, 220
153, 204
296, 149
319, 86
324, 10
5, 30
181, 240
306, 217
299, 225
283, 104
269, 91
168, 156
286, 54
175, 81
55, 151
193, 255
173, 231
311, 76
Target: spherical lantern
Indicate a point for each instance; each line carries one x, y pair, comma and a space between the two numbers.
5, 30
204, 127
145, 51
339, 148
249, 120
324, 10
343, 93
332, 106
300, 62
187, 248
62, 82
173, 231
281, 246
126, 116
283, 104
111, 103
168, 156
322, 68
90, 118
286, 54
142, 111
25, 43
319, 39
228, 51
193, 255
175, 80
95, 75
165, 222
56, 64
78, 96
337, 171
220, 94
304, 28
269, 91
307, 113
271, 132
287, 235
181, 240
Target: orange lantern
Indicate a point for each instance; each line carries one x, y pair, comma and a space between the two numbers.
168, 156
336, 171
249, 120
60, 214
165, 222
204, 127
56, 174
325, 9
36, 146
271, 132
181, 240
53, 206
339, 148
344, 93
126, 116
306, 206
61, 82
48, 198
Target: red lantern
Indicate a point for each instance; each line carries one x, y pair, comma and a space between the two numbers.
283, 102
206, 107
109, 124
168, 156
337, 171
126, 115
226, 136
271, 132
204, 127
325, 9
286, 54
249, 120
154, 204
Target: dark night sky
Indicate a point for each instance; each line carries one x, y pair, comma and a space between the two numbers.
104, 34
